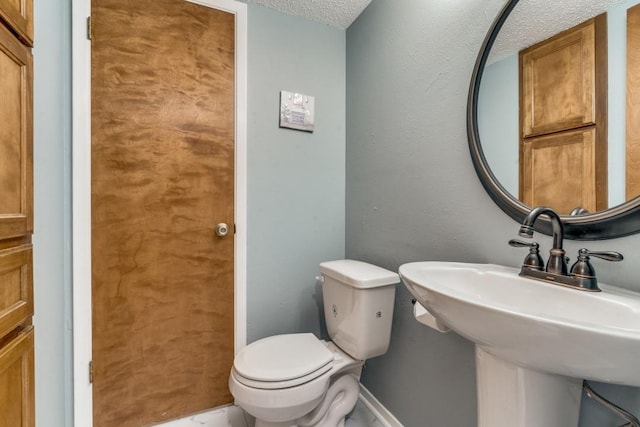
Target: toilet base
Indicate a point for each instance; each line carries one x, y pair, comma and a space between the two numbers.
337, 403
262, 423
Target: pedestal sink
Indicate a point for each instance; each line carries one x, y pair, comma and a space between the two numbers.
535, 341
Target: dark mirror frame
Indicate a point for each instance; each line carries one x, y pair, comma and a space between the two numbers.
619, 221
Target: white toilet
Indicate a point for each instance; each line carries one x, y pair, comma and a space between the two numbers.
297, 380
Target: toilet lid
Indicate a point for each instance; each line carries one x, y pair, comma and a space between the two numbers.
282, 357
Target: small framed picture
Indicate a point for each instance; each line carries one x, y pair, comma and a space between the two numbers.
296, 111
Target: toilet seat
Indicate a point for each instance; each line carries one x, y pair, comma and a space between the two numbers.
286, 400
282, 361
274, 385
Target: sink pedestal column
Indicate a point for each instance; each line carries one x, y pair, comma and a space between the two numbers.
512, 396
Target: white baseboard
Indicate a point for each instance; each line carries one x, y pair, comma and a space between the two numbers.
383, 415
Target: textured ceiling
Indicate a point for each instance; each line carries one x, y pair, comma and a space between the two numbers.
532, 21
336, 13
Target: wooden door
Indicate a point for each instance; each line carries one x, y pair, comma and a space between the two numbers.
633, 104
162, 177
563, 115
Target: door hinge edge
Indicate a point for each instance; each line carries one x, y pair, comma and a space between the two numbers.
91, 372
89, 28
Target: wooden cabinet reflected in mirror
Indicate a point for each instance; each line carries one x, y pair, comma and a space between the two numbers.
590, 152
633, 104
563, 120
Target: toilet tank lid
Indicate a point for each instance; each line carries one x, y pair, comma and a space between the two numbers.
359, 274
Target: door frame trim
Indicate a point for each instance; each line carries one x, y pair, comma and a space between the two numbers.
81, 195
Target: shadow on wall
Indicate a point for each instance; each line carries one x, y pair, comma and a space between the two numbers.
318, 297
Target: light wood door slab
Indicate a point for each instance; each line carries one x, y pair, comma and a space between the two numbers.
162, 178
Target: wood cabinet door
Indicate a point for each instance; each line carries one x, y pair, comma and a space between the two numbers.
558, 78
563, 120
16, 287
559, 171
18, 14
17, 380
16, 137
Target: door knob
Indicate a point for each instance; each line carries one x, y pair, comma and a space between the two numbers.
222, 229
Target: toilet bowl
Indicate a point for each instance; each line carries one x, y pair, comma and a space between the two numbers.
292, 378
297, 380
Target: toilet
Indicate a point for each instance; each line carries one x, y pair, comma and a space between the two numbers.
298, 380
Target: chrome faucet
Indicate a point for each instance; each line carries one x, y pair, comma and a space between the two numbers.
557, 262
582, 275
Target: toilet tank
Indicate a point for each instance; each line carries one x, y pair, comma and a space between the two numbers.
358, 306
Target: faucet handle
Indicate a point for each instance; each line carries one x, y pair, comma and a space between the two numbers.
583, 267
533, 260
606, 255
520, 244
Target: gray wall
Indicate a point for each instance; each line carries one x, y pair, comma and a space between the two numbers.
52, 198
296, 183
412, 194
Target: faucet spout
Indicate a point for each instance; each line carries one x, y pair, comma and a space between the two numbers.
557, 263
582, 274
526, 229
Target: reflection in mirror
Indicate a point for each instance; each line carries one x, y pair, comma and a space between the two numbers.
615, 221
499, 112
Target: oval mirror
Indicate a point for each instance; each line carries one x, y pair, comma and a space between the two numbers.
548, 127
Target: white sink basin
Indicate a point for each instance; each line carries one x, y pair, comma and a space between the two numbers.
532, 324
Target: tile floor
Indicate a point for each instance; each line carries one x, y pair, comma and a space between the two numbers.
233, 416
362, 417
229, 416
